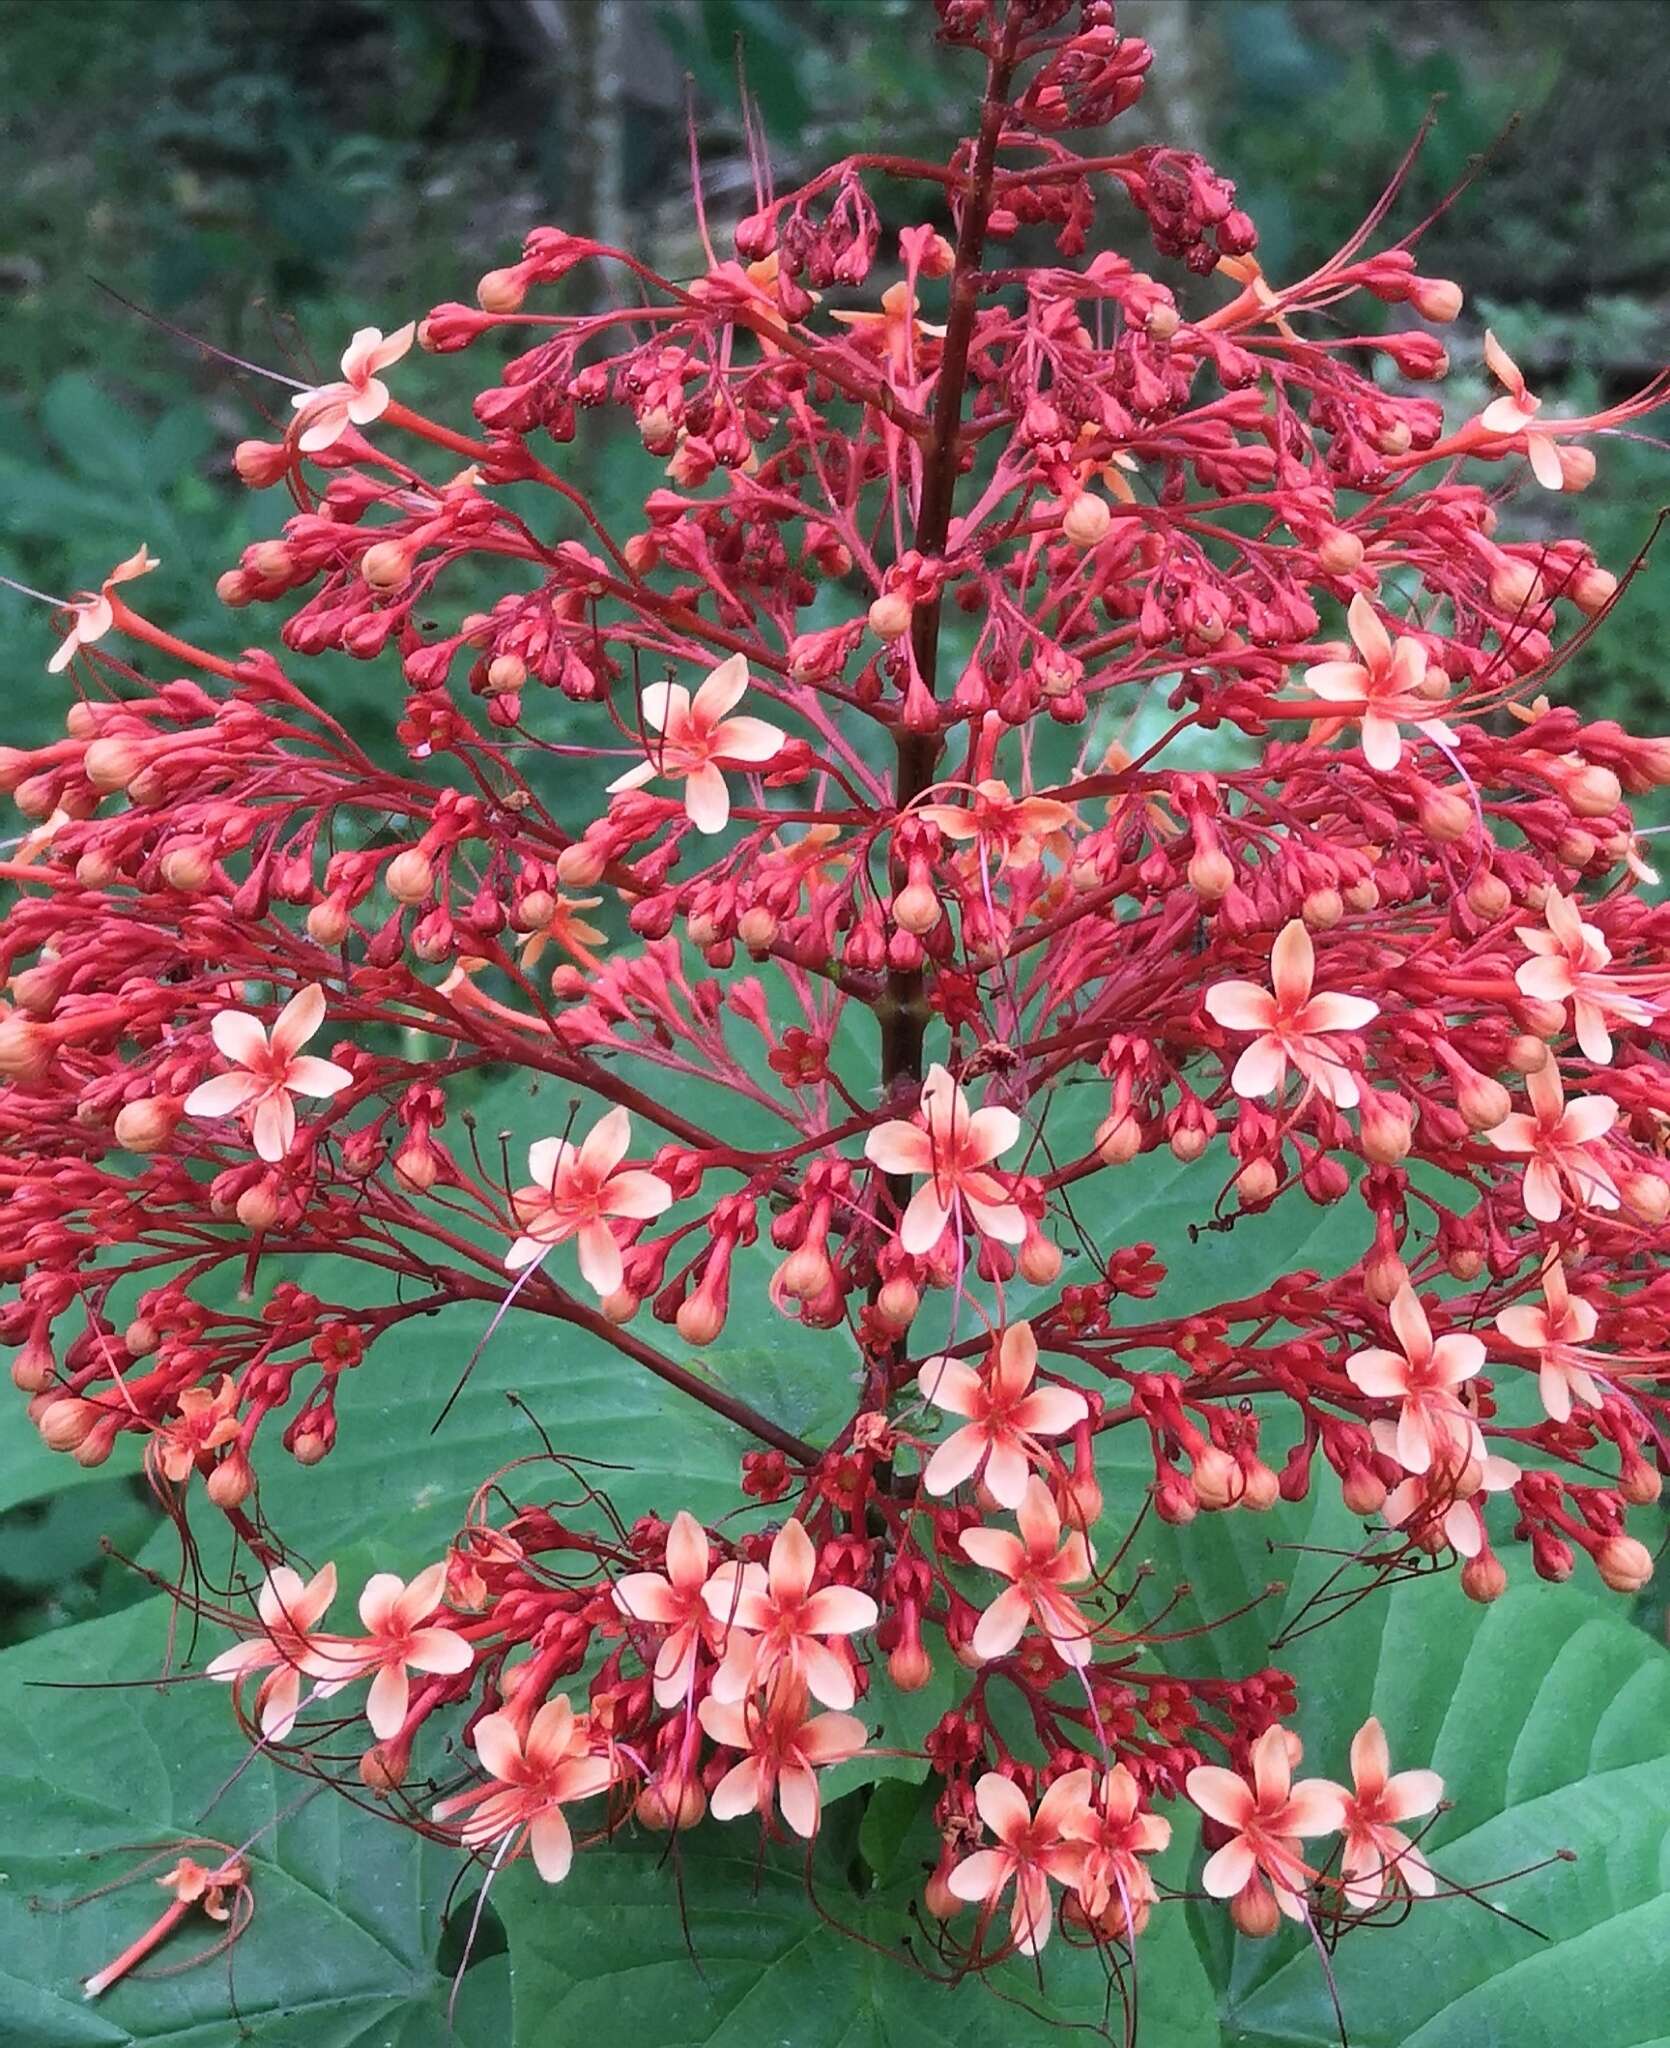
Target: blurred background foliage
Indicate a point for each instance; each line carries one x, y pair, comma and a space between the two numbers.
267, 174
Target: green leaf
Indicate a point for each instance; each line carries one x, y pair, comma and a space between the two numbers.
341, 1952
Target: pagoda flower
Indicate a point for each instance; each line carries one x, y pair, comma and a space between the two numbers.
568, 931
783, 1746
1269, 1816
1556, 1333
533, 1777
574, 1190
1556, 1141
698, 739
1032, 1849
774, 1623
190, 1883
894, 331
1376, 1847
286, 1649
1038, 1563
95, 614
330, 410
1385, 688
673, 1600
1116, 1836
1569, 968
1013, 828
1293, 1025
1442, 1500
952, 1145
274, 1070
205, 1421
1426, 1375
1005, 1415
402, 1636
1514, 414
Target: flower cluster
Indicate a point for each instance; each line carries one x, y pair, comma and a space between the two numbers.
879, 939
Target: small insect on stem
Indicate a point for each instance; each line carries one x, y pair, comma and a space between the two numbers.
222, 1891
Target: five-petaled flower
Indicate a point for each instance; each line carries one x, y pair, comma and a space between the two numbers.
397, 1620
1038, 1563
205, 1420
574, 1190
1442, 1501
274, 1070
1268, 1815
1376, 1848
673, 1600
534, 1776
1114, 1883
775, 1623
953, 1145
1557, 1333
696, 739
287, 1649
1426, 1376
1032, 1848
95, 613
1005, 1415
785, 1744
1571, 956
1293, 1025
1557, 1140
328, 411
1012, 828
1515, 412
1385, 689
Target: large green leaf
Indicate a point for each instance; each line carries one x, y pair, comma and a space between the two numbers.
342, 1950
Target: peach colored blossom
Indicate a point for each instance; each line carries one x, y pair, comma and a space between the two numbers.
784, 1746
533, 1778
1383, 689
1444, 1498
397, 1619
1032, 1849
94, 612
1568, 968
205, 1421
1038, 1563
1005, 1415
1556, 1333
574, 1190
274, 1070
1426, 1376
1557, 1140
952, 1145
1116, 1836
1376, 1848
361, 397
1270, 1815
894, 331
1012, 828
673, 1600
774, 1622
1293, 1025
698, 739
287, 1648
1514, 414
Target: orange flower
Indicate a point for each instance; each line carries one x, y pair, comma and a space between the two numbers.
287, 1649
1033, 1848
698, 739
1268, 1815
1038, 1562
1116, 1836
206, 1421
1015, 828
329, 411
395, 1615
574, 1191
1556, 1334
1556, 1139
952, 1145
784, 1746
1376, 1848
94, 612
1006, 1415
1515, 413
1292, 1023
1568, 969
673, 1600
534, 1777
776, 1621
274, 1070
1383, 689
1424, 1376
